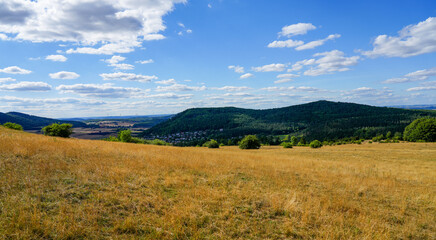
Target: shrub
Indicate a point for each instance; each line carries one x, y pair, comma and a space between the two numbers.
13, 126
315, 144
287, 145
294, 140
212, 144
125, 136
111, 139
58, 130
423, 129
249, 142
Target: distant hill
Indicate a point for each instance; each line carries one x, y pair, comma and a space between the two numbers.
420, 107
316, 120
30, 122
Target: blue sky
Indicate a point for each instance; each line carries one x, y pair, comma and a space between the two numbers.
97, 58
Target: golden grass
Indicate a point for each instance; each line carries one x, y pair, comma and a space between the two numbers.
53, 188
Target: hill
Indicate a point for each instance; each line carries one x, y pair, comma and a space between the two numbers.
30, 122
317, 120
54, 188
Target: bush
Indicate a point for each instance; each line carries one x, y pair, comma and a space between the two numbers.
249, 142
423, 129
13, 126
315, 144
58, 130
287, 145
111, 139
212, 144
125, 136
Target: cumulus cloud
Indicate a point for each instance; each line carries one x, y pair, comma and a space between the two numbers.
296, 29
419, 75
15, 70
292, 88
275, 67
247, 75
427, 88
123, 22
179, 88
56, 58
26, 86
115, 60
3, 80
286, 77
288, 44
127, 77
317, 43
237, 69
232, 88
412, 40
328, 62
49, 101
171, 96
64, 75
167, 82
100, 90
368, 93
145, 61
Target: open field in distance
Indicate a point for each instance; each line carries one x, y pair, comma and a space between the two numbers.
53, 188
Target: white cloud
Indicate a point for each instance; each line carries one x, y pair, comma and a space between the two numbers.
15, 70
188, 30
3, 80
100, 90
209, 5
127, 77
115, 60
284, 80
411, 41
26, 86
64, 75
317, 43
181, 24
419, 75
288, 43
368, 93
287, 75
275, 67
296, 29
237, 69
292, 88
232, 88
171, 96
145, 61
426, 88
245, 76
178, 88
56, 58
125, 22
166, 82
107, 49
3, 37
49, 101
329, 62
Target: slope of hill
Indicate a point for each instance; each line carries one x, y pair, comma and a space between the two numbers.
316, 120
30, 122
54, 188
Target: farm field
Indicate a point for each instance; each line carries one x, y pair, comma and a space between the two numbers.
54, 188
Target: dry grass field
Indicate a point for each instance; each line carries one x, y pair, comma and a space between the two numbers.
53, 188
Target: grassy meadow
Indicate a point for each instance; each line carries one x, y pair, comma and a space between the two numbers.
54, 188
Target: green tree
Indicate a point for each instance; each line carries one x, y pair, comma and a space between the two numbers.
125, 136
249, 142
294, 140
302, 141
14, 126
287, 145
58, 130
212, 144
423, 129
389, 135
315, 144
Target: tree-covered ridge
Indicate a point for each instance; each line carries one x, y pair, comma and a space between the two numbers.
316, 120
30, 122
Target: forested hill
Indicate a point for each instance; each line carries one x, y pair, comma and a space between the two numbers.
316, 120
30, 122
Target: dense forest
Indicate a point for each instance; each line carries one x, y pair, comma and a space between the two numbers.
323, 120
30, 122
